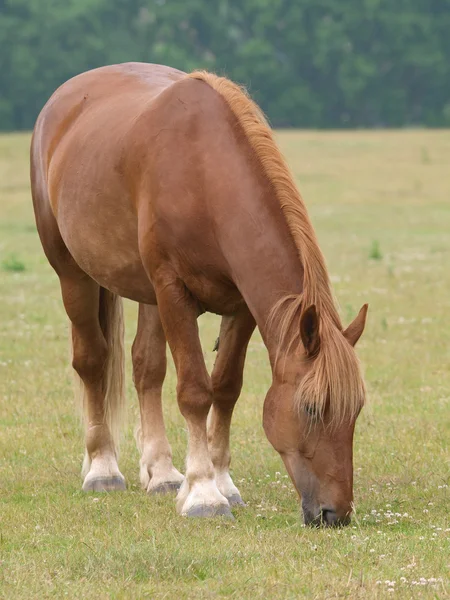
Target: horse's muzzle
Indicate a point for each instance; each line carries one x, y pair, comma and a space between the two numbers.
327, 517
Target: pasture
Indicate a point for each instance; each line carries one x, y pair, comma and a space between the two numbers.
380, 204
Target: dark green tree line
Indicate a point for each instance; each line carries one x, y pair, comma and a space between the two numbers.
309, 63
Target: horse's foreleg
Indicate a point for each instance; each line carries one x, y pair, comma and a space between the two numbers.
235, 333
157, 472
198, 495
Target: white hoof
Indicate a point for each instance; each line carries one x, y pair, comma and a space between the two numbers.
159, 480
203, 494
104, 476
228, 489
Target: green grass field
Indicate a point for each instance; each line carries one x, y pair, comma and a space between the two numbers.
380, 202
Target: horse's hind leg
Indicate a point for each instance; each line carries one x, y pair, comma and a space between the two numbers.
157, 473
97, 331
235, 333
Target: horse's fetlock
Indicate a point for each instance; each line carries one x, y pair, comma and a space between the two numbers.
99, 440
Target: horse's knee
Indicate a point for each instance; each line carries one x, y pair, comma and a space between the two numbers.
226, 389
194, 397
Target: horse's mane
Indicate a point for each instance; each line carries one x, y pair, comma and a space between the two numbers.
335, 377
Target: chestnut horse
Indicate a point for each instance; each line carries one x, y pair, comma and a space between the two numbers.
169, 189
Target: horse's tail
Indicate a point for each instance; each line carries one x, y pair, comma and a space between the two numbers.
112, 324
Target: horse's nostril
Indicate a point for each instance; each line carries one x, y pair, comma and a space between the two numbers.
330, 518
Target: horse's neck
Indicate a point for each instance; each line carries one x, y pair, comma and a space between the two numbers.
265, 262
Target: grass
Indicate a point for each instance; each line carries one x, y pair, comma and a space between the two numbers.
375, 251
56, 542
12, 263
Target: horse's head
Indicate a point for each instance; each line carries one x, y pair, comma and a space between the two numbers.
310, 414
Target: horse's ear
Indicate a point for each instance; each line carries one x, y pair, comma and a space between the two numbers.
309, 330
355, 329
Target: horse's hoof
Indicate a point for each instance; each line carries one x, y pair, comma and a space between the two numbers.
235, 500
105, 484
205, 510
165, 488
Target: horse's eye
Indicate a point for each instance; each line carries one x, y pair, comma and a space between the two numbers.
311, 411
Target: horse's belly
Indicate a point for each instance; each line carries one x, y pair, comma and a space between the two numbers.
106, 248
129, 281
122, 274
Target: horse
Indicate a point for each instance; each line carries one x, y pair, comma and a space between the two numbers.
169, 189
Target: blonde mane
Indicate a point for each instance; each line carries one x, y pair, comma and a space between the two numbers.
335, 378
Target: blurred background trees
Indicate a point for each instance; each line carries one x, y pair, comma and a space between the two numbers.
309, 63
